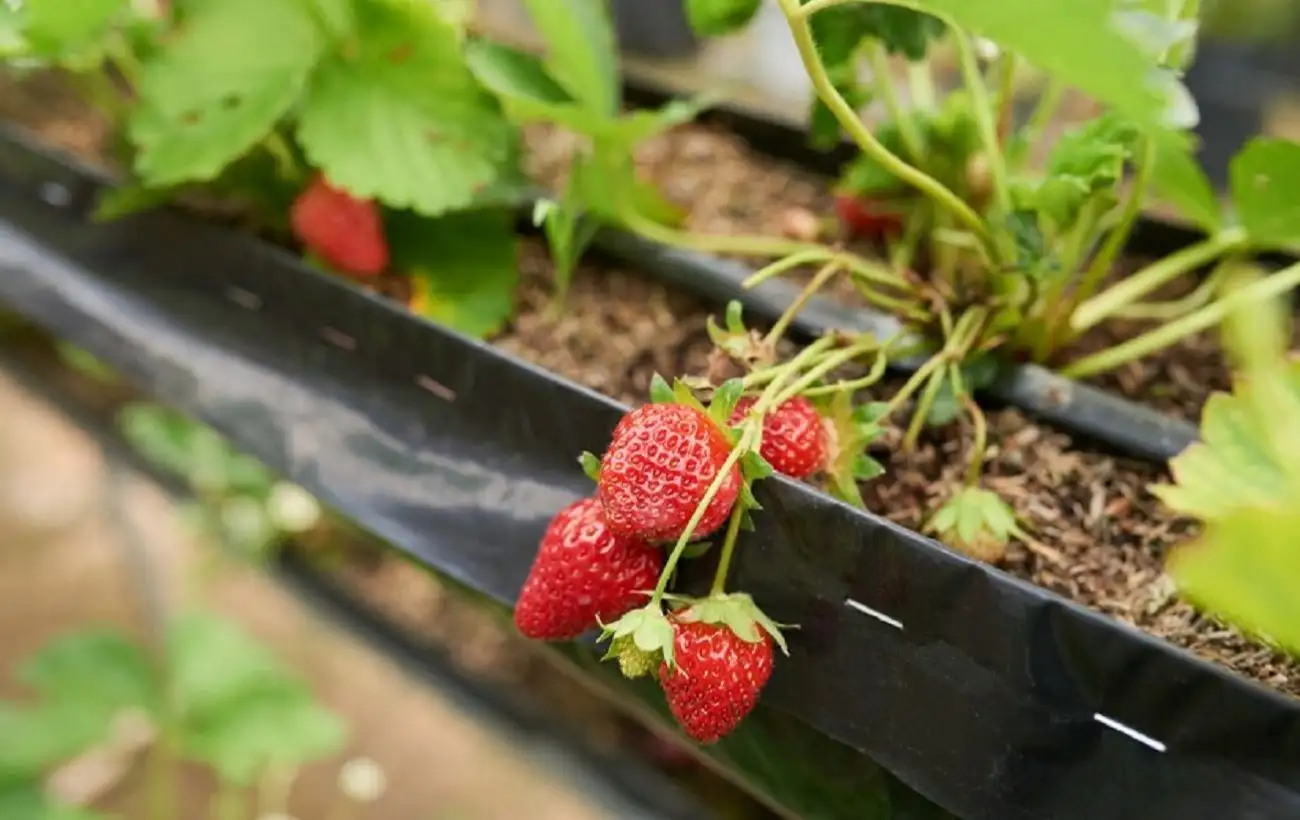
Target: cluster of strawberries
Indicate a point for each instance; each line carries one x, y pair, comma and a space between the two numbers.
601, 556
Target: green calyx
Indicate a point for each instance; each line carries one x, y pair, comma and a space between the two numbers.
977, 522
645, 630
738, 612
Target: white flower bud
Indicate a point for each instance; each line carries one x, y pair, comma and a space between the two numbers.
362, 780
987, 49
291, 508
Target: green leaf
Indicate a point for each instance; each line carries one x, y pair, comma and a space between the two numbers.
456, 13
715, 18
754, 467
602, 181
464, 266
96, 669
1095, 151
581, 51
1178, 178
13, 21
855, 426
638, 126
83, 681
696, 550
682, 394
72, 33
1032, 253
866, 468
86, 364
1265, 180
1244, 568
212, 661
124, 200
863, 176
514, 74
590, 465
28, 801
724, 400
1085, 168
568, 232
233, 70
400, 118
839, 30
660, 391
1078, 42
1152, 29
338, 17
38, 738
276, 723
735, 317
1237, 463
238, 709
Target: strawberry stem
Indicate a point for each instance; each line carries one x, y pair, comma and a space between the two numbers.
828, 364
1049, 100
818, 281
882, 76
738, 245
965, 333
1165, 335
877, 371
797, 17
728, 548
789, 263
1092, 311
769, 375
983, 109
976, 466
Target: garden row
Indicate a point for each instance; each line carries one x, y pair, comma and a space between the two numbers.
438, 442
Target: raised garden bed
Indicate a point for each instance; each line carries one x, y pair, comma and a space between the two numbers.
910, 659
317, 379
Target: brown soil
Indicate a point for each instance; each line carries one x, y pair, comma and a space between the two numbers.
1100, 537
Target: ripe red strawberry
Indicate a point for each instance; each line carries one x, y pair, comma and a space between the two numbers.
584, 572
717, 679
794, 438
344, 231
861, 217
658, 468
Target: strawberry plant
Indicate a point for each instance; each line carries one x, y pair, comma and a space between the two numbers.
1242, 485
353, 127
237, 500
97, 699
987, 254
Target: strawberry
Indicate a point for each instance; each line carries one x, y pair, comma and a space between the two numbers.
862, 217
346, 232
583, 573
717, 678
794, 437
658, 468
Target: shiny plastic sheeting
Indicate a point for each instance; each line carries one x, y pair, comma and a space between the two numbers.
986, 695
